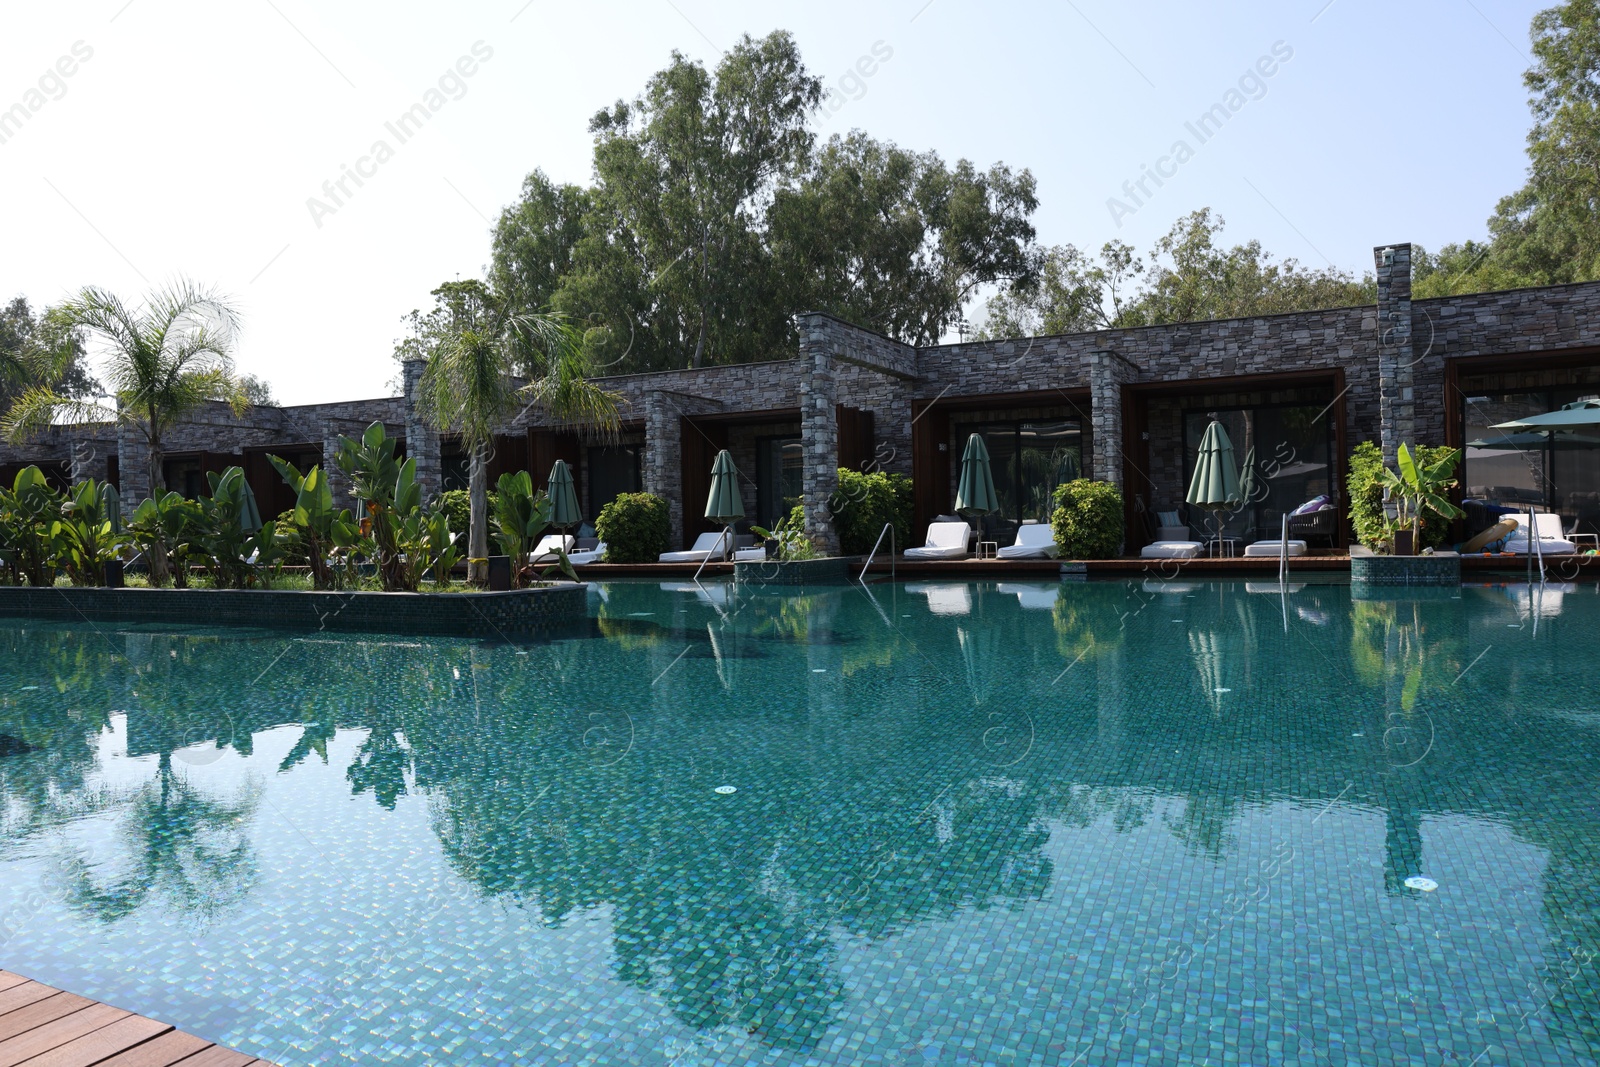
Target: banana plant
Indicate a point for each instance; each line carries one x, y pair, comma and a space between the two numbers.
162, 526
30, 526
229, 532
521, 516
319, 527
84, 539
1417, 488
390, 494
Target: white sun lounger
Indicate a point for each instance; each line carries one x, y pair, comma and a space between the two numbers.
946, 540
545, 551
588, 555
1274, 549
706, 546
1552, 541
1172, 550
1034, 541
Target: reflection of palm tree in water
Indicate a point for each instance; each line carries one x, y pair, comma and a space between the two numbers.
185, 846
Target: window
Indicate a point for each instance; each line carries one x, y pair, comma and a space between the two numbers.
613, 470
1560, 472
1027, 459
1293, 449
779, 469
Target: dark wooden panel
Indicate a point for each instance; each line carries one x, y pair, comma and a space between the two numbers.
930, 467
701, 443
855, 437
41, 1039
102, 1044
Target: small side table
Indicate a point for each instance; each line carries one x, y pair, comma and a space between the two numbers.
1222, 547
988, 549
1580, 538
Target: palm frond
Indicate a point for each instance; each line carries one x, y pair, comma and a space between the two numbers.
38, 409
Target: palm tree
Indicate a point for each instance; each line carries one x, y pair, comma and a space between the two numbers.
162, 362
474, 345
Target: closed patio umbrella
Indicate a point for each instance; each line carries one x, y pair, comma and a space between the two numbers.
724, 506
975, 495
1215, 485
564, 510
249, 510
113, 506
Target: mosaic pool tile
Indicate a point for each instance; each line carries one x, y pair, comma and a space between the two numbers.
1039, 825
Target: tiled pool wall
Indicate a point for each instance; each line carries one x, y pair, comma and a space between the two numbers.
520, 611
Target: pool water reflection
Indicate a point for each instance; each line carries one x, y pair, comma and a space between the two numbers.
1117, 822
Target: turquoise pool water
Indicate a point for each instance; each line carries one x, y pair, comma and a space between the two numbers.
1096, 823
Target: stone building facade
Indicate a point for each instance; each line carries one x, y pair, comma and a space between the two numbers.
1387, 373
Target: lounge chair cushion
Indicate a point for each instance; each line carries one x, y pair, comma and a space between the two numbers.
1270, 548
1172, 550
707, 546
1169, 518
1549, 546
545, 551
1034, 541
946, 540
1552, 539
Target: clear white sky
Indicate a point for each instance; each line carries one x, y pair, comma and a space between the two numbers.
191, 139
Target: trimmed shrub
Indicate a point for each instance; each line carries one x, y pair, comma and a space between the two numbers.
1087, 520
864, 503
1366, 497
635, 527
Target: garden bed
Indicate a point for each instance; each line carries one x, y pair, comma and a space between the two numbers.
519, 612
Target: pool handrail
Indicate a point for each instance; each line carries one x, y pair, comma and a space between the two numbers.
888, 528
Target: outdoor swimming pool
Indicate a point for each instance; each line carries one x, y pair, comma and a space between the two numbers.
1096, 823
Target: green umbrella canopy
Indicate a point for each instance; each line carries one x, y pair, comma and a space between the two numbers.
1570, 417
1215, 485
249, 510
724, 506
564, 510
113, 507
975, 495
1248, 477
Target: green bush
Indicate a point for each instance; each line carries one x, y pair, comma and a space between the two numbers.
1366, 497
457, 507
864, 503
635, 528
1088, 519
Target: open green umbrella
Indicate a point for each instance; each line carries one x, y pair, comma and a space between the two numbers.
1215, 485
1571, 417
724, 506
564, 510
975, 495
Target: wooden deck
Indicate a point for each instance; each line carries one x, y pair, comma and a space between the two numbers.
41, 1026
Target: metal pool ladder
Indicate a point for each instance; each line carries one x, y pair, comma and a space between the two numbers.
888, 528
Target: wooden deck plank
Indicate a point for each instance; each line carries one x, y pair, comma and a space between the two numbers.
102, 1044
41, 1039
164, 1051
40, 1012
7, 979
217, 1056
20, 996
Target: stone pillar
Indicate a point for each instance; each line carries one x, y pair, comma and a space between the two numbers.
422, 440
1107, 373
663, 455
1396, 370
133, 466
819, 439
338, 481
89, 459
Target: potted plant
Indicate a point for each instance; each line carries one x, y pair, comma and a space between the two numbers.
1416, 488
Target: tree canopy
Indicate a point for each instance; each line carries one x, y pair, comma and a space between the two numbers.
1188, 276
36, 350
714, 217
